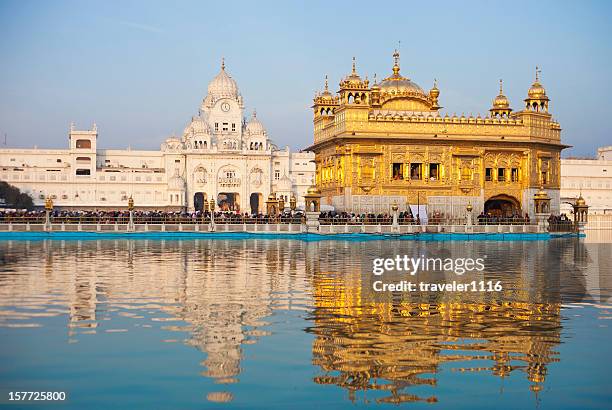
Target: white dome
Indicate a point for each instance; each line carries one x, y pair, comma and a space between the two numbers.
222, 86
255, 127
198, 125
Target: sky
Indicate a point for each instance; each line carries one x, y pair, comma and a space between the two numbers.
140, 69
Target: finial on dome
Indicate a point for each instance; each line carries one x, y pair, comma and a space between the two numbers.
501, 86
435, 83
326, 85
537, 74
354, 70
255, 113
396, 60
222, 63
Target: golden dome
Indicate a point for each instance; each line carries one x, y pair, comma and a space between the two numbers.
375, 86
313, 190
580, 201
537, 91
272, 196
326, 95
353, 78
397, 85
501, 101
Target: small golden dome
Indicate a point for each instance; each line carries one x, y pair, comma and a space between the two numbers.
537, 91
353, 78
272, 196
580, 201
501, 101
375, 86
326, 95
313, 190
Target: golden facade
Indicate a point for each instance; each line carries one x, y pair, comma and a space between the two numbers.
388, 143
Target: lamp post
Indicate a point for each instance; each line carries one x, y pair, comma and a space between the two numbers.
281, 204
418, 215
211, 227
48, 209
130, 226
469, 208
395, 225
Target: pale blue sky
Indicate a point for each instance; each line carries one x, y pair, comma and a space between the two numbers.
140, 69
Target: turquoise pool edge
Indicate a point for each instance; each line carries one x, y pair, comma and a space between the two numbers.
295, 236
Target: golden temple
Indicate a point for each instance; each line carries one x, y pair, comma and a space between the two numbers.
387, 142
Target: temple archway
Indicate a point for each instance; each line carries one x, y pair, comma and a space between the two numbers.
502, 206
228, 201
199, 199
256, 201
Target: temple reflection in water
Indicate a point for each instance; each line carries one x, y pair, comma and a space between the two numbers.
222, 293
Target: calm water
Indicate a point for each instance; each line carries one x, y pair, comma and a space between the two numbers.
191, 324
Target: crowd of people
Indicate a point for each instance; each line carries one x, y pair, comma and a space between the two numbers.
560, 223
344, 218
145, 216
493, 219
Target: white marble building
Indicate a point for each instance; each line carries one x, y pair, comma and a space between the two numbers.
591, 177
220, 155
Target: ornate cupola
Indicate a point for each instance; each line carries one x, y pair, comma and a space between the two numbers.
537, 100
354, 90
501, 105
325, 102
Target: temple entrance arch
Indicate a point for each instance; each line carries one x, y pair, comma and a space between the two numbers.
199, 199
255, 201
228, 201
502, 206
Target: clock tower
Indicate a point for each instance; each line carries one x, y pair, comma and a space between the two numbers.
223, 107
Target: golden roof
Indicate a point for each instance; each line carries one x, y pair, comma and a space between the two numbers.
580, 201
